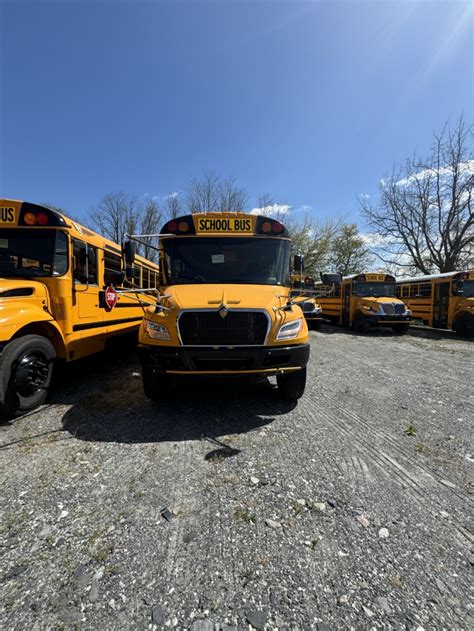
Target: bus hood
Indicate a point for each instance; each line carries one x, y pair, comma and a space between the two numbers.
11, 288
203, 296
379, 303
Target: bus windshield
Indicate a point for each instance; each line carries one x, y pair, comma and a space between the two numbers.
467, 289
29, 253
248, 260
375, 289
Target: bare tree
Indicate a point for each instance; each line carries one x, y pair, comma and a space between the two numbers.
349, 252
425, 214
173, 206
117, 214
151, 218
211, 193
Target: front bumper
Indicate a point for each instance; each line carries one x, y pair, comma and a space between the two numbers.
387, 320
221, 360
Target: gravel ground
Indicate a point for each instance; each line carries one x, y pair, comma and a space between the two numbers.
227, 508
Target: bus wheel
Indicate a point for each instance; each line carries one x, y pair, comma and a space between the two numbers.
360, 324
26, 367
156, 387
314, 325
464, 325
291, 385
400, 329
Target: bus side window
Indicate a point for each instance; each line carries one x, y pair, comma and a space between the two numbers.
425, 290
145, 278
398, 291
112, 269
60, 254
405, 291
85, 259
137, 277
414, 291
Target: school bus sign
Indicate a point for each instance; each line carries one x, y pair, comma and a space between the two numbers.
225, 224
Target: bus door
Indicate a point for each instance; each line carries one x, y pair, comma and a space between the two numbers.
441, 305
346, 304
85, 294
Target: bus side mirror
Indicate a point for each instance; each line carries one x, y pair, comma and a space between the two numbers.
298, 263
129, 251
120, 278
331, 279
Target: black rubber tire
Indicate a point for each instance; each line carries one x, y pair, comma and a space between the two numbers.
360, 324
291, 385
314, 325
156, 387
400, 329
464, 325
13, 401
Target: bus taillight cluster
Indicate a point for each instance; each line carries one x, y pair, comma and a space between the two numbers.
36, 219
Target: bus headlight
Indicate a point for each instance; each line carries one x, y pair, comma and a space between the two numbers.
156, 331
290, 330
408, 312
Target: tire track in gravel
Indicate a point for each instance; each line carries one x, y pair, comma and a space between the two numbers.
420, 491
374, 430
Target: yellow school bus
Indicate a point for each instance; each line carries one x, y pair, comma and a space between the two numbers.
365, 300
444, 301
58, 298
224, 306
304, 293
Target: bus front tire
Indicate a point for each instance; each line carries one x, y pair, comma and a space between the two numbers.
156, 387
400, 329
291, 385
360, 324
26, 368
464, 325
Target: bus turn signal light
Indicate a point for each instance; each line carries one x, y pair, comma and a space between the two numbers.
29, 219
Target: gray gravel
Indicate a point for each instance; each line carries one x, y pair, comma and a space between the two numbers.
351, 510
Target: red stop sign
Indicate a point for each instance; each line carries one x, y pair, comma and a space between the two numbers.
111, 297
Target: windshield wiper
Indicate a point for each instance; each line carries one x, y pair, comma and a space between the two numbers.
196, 279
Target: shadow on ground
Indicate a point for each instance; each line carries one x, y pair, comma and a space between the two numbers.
117, 410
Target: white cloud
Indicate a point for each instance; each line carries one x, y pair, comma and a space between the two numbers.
465, 168
273, 209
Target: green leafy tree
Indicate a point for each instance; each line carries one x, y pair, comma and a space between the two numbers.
348, 252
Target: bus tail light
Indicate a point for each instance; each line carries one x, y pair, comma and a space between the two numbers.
42, 219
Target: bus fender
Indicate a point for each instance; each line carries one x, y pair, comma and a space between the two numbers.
47, 328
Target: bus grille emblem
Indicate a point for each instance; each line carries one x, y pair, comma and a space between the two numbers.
223, 311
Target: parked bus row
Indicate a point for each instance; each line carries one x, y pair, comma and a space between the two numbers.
362, 301
220, 301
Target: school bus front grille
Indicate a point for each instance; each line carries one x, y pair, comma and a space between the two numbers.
391, 309
208, 328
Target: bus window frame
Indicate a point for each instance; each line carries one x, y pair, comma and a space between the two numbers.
107, 251
88, 246
68, 254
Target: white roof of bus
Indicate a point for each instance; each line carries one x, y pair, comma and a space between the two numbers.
416, 279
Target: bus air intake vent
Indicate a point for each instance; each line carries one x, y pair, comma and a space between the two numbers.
208, 328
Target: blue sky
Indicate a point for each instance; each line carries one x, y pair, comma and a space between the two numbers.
308, 101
